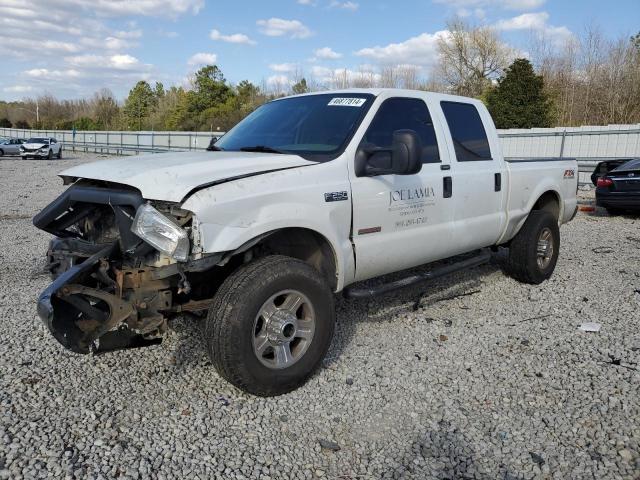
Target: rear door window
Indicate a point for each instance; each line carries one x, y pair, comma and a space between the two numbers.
467, 131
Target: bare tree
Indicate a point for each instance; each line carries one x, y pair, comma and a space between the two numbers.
105, 108
592, 80
471, 57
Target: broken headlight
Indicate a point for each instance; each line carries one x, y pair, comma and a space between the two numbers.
161, 232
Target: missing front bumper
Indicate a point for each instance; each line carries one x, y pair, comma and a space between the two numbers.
80, 325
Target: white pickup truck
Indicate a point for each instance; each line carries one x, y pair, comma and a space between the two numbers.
305, 197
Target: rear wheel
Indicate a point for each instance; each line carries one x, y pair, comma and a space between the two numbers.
59, 156
1, 152
24, 157
533, 252
271, 325
50, 155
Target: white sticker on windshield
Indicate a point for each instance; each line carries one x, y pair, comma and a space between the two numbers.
347, 102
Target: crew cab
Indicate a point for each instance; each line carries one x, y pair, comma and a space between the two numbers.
41, 147
306, 197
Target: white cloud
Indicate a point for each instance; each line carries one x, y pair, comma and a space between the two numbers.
233, 38
74, 47
524, 21
18, 89
277, 27
338, 77
283, 67
353, 6
167, 34
56, 74
279, 81
326, 53
306, 2
464, 7
128, 34
420, 50
537, 22
151, 8
202, 59
101, 62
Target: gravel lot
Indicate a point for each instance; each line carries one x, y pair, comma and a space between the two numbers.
499, 383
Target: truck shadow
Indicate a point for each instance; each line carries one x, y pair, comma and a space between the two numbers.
386, 308
446, 453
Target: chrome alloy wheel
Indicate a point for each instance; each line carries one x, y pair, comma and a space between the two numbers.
545, 248
283, 329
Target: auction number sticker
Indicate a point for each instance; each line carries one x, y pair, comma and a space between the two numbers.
347, 102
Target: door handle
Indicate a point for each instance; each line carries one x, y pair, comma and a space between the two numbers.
447, 187
497, 178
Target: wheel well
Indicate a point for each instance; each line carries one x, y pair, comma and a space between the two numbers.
549, 202
303, 244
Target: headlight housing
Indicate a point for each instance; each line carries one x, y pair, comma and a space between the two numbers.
161, 232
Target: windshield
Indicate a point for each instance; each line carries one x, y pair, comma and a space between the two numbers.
314, 126
38, 140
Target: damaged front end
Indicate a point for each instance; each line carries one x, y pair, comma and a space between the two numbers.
111, 289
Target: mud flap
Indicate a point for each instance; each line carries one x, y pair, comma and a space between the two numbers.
59, 310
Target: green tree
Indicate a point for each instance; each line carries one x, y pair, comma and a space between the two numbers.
248, 93
519, 100
209, 89
158, 90
139, 105
300, 87
5, 123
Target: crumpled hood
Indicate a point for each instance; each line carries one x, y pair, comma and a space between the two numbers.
171, 176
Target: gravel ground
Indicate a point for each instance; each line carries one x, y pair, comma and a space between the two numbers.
499, 383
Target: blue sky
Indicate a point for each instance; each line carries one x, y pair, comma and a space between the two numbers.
71, 48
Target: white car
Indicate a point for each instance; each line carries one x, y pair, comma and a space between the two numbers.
41, 147
304, 198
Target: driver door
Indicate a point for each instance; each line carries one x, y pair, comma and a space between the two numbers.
401, 221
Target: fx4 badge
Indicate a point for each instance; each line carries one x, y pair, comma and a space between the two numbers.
568, 174
336, 196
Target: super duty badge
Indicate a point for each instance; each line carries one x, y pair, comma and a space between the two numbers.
336, 196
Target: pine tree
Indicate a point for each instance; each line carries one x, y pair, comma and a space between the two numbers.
519, 100
300, 87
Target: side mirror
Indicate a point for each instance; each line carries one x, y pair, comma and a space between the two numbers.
403, 158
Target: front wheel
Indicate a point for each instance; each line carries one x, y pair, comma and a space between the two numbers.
50, 155
59, 155
270, 325
533, 252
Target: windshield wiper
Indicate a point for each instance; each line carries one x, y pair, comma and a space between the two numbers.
261, 148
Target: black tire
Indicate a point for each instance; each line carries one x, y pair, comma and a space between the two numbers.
24, 157
1, 152
50, 154
59, 155
231, 324
523, 262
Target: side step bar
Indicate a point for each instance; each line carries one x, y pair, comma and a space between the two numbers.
472, 262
